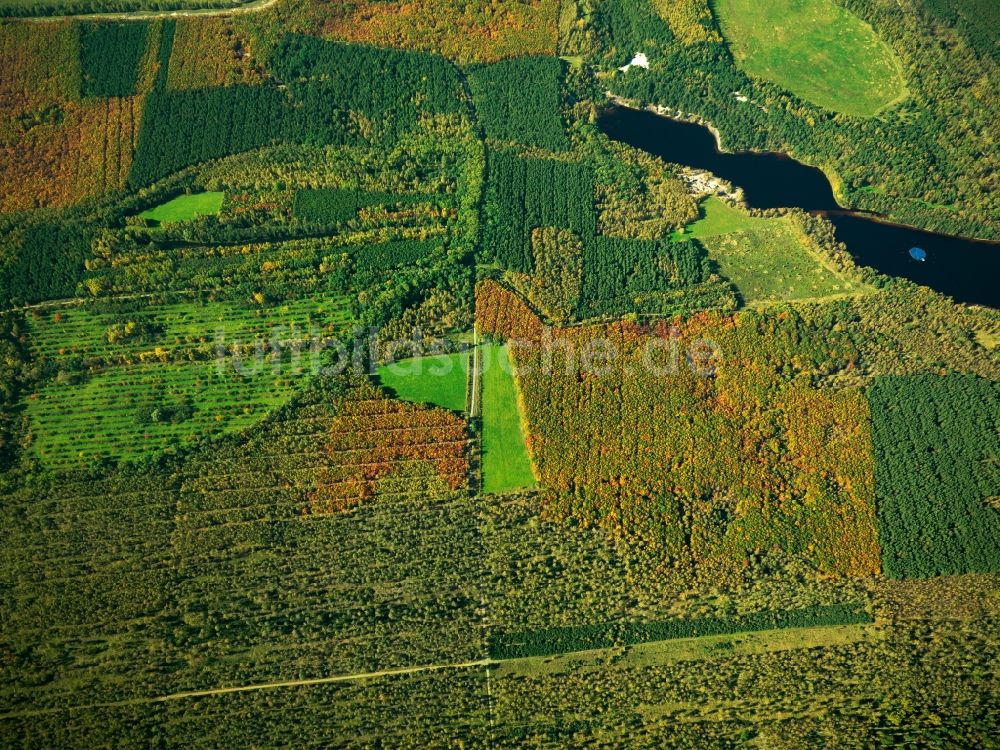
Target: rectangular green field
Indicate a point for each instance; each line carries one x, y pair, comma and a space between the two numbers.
439, 379
506, 466
186, 207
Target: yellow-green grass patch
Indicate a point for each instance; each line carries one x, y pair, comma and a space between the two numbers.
768, 259
186, 207
816, 49
505, 463
440, 379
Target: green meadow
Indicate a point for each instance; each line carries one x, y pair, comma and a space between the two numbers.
439, 379
768, 259
506, 466
185, 207
815, 49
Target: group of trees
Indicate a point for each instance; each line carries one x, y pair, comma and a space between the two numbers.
110, 54
377, 83
917, 683
63, 139
203, 546
936, 442
380, 445
333, 94
44, 260
212, 51
613, 274
481, 31
519, 101
616, 271
522, 194
331, 206
28, 8
180, 128
704, 438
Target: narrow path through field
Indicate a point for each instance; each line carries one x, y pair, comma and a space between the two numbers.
644, 654
254, 687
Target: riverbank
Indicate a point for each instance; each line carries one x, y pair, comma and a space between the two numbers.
962, 268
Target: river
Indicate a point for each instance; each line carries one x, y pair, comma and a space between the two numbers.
965, 269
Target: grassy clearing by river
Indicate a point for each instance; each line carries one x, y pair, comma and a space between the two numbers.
767, 259
817, 50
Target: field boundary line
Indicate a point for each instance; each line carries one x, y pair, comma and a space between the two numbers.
186, 694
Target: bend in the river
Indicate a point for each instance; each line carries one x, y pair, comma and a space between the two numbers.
965, 269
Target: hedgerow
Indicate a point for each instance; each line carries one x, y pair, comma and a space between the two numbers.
562, 640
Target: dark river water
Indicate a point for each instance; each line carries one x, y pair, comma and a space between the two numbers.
967, 270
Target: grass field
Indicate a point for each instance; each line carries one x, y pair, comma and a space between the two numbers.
815, 49
438, 379
185, 207
717, 217
506, 465
767, 259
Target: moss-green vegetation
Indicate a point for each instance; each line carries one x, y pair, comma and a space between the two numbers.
441, 379
768, 259
185, 207
817, 50
505, 464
